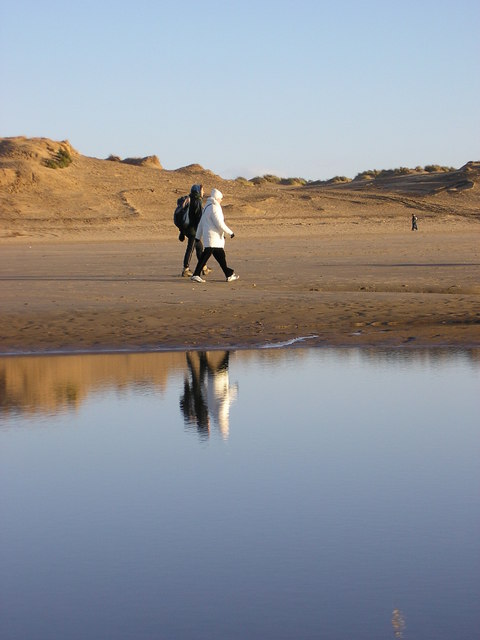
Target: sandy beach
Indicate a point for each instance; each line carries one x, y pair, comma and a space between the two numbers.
86, 266
375, 287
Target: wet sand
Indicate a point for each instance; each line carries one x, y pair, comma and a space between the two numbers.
351, 284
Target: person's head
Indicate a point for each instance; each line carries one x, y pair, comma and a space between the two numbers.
197, 190
217, 195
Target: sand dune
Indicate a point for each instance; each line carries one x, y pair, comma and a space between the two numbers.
134, 198
90, 257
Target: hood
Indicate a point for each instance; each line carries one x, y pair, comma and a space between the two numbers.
216, 195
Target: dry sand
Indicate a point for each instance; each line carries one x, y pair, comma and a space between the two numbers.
90, 260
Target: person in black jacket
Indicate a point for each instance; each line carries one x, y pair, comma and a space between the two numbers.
194, 215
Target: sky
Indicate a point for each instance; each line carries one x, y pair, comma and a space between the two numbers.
303, 88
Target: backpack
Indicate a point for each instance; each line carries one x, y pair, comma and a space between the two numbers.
180, 215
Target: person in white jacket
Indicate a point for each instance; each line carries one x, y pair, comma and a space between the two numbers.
212, 230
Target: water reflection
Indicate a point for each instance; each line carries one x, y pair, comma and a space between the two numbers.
334, 495
49, 384
398, 624
207, 392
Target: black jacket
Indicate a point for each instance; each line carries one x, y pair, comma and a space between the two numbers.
195, 210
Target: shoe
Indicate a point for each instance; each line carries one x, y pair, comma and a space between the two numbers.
206, 270
186, 273
232, 277
197, 279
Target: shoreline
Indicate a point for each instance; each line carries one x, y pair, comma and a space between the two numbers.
464, 348
350, 342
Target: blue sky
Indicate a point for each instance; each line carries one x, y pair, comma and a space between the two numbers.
311, 89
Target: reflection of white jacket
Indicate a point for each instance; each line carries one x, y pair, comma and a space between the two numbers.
220, 396
212, 227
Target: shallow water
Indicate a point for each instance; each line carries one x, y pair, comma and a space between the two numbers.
297, 493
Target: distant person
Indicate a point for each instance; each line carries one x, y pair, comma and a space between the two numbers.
414, 222
194, 215
212, 230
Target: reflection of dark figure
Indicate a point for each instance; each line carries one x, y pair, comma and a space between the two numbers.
414, 222
193, 402
208, 392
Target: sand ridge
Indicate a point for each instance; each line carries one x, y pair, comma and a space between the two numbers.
93, 199
90, 259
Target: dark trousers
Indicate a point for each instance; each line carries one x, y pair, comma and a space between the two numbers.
220, 257
192, 242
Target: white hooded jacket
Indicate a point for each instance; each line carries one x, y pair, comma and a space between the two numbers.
212, 227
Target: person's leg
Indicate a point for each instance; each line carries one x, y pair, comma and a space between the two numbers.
188, 252
221, 258
198, 248
207, 252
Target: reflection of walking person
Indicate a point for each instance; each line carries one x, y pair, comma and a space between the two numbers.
414, 222
212, 230
193, 402
208, 393
220, 393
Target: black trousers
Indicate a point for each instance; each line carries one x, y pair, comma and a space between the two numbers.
220, 257
192, 242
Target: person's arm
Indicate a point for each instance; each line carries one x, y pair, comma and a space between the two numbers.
220, 221
195, 212
199, 232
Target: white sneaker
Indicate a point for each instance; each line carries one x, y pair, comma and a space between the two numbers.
232, 277
197, 279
